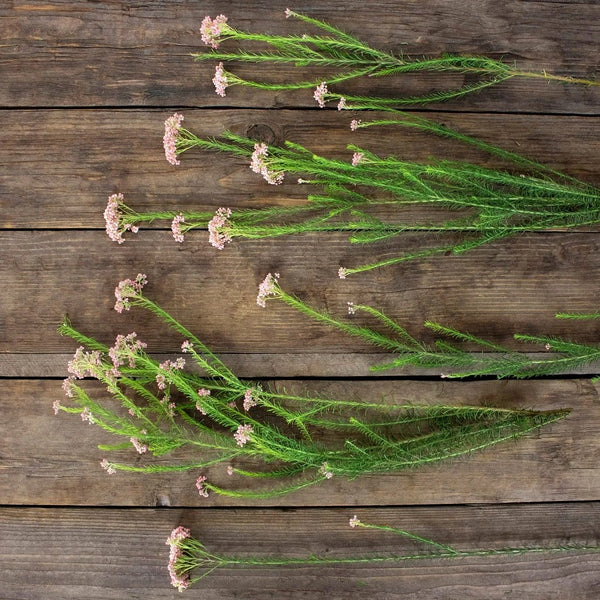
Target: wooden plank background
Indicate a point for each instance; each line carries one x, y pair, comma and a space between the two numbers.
85, 89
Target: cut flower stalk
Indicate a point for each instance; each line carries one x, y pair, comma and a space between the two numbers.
288, 441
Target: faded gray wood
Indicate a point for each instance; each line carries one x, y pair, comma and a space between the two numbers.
108, 554
60, 166
54, 460
137, 54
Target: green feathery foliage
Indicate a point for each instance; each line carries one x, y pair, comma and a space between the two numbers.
487, 359
294, 440
490, 204
190, 561
349, 58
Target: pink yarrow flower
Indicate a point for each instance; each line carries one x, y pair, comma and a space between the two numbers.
342, 272
220, 80
128, 288
249, 400
354, 521
113, 216
107, 466
243, 433
201, 486
180, 581
342, 103
357, 157
288, 13
351, 308
218, 226
258, 164
267, 289
319, 94
355, 124
176, 228
324, 470
211, 30
172, 127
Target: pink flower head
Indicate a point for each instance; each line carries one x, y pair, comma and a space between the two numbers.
355, 124
127, 289
351, 308
258, 164
87, 416
249, 400
180, 581
172, 127
200, 485
84, 363
243, 433
56, 406
176, 227
107, 467
141, 448
288, 13
324, 470
165, 368
354, 521
342, 272
218, 228
267, 289
211, 30
320, 92
125, 349
357, 157
67, 387
187, 346
341, 103
229, 470
220, 80
113, 216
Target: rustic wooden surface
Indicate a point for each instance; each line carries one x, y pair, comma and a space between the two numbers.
85, 89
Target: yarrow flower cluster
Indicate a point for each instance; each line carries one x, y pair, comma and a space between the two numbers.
139, 446
128, 288
249, 399
357, 157
172, 127
220, 80
84, 363
355, 124
113, 216
125, 349
243, 433
267, 289
201, 486
217, 228
176, 228
258, 164
324, 470
211, 30
319, 94
165, 367
108, 467
180, 581
354, 521
342, 273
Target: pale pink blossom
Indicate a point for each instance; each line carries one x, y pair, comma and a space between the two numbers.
342, 103
354, 521
87, 416
124, 349
229, 470
187, 346
201, 486
141, 448
324, 470
84, 363
113, 216
259, 165
355, 124
203, 392
67, 386
288, 13
218, 228
320, 92
243, 433
249, 400
351, 308
220, 80
165, 368
176, 228
357, 157
342, 272
56, 406
211, 30
172, 127
267, 289
128, 288
110, 469
180, 581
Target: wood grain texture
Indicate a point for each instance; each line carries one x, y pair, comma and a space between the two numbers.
60, 166
137, 54
54, 460
509, 287
112, 554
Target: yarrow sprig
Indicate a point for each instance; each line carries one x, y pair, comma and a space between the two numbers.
350, 58
159, 408
453, 361
489, 204
190, 560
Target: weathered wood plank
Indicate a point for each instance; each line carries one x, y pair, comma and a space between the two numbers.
107, 554
79, 54
514, 286
60, 166
52, 460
